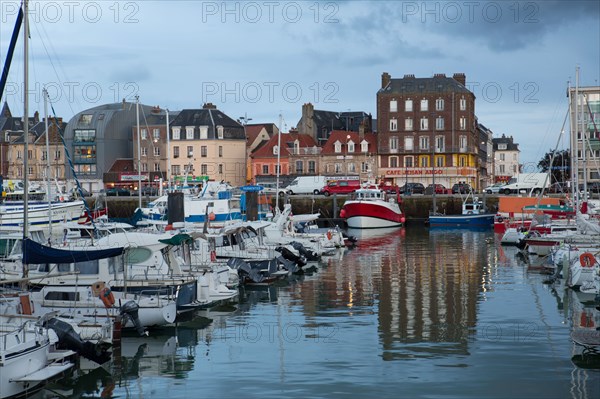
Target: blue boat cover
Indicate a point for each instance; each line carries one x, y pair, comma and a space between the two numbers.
36, 253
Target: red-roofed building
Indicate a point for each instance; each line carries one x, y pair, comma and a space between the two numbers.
350, 154
299, 156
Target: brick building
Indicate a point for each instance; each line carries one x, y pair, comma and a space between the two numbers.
427, 126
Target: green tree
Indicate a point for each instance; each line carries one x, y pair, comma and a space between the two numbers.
561, 167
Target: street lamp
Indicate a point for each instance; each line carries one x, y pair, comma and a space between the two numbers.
244, 119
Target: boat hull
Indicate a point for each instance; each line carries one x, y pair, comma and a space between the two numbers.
11, 216
481, 220
372, 214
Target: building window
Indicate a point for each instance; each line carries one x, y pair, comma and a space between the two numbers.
462, 123
393, 162
364, 146
189, 133
157, 167
424, 123
156, 134
312, 167
204, 169
424, 162
277, 169
156, 151
176, 151
502, 170
439, 123
424, 142
424, 105
439, 144
462, 162
351, 167
337, 147
190, 151
408, 105
144, 134
275, 150
393, 106
265, 169
439, 104
203, 132
439, 162
175, 170
502, 157
393, 144
220, 132
515, 157
408, 124
144, 151
57, 155
144, 167
30, 170
338, 168
502, 146
220, 151
408, 162
463, 104
350, 146
409, 143
393, 125
176, 133
44, 157
299, 167
462, 140
29, 154
203, 151
364, 167
220, 168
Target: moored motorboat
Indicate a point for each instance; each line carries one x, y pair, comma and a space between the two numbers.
371, 208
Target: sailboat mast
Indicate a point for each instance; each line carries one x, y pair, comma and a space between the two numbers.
139, 151
48, 166
576, 139
278, 162
25, 125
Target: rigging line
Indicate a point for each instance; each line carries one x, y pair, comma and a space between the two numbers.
56, 72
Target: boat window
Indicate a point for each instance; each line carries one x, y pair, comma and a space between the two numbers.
62, 296
88, 267
63, 267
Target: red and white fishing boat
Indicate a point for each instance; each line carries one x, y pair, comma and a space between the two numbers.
371, 208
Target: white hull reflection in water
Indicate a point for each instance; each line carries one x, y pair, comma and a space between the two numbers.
449, 314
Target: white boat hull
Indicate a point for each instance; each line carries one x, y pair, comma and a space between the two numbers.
369, 222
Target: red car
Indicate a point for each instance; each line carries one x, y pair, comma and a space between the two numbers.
439, 189
340, 187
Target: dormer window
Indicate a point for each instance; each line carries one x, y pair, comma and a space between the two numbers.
176, 133
275, 150
189, 133
203, 132
364, 146
350, 146
220, 132
337, 147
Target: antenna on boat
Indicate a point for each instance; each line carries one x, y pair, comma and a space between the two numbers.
278, 162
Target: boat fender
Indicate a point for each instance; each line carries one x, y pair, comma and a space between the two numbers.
107, 297
587, 259
329, 235
500, 219
213, 256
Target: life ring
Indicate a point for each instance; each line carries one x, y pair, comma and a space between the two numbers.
500, 219
107, 297
469, 212
213, 256
587, 259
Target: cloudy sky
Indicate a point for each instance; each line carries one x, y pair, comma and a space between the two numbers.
263, 59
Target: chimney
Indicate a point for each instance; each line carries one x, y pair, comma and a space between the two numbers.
439, 75
155, 110
124, 103
460, 78
385, 80
409, 76
36, 117
209, 106
361, 131
308, 125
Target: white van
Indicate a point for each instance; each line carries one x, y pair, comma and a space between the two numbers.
306, 185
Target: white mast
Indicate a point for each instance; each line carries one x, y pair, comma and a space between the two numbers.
48, 166
139, 151
25, 127
168, 153
278, 162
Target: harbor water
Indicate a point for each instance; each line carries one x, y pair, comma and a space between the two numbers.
407, 313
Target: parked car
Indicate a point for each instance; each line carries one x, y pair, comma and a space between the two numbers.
270, 188
439, 189
341, 187
592, 188
117, 192
412, 188
494, 189
461, 188
389, 188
